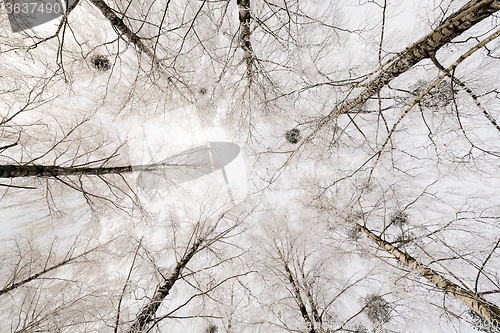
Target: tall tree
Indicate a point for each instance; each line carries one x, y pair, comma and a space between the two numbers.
396, 127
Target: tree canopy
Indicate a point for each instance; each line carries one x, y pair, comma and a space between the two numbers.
359, 192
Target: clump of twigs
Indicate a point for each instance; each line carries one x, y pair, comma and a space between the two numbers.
399, 218
438, 97
293, 136
211, 329
101, 63
354, 233
360, 329
377, 309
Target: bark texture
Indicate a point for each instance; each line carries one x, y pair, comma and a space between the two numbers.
13, 171
245, 32
310, 298
479, 305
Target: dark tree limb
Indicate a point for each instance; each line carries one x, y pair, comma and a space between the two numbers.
9, 146
118, 23
148, 312
44, 271
245, 32
296, 291
14, 171
484, 264
488, 311
17, 186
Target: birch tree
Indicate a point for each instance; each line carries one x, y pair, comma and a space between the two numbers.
336, 103
387, 160
369, 205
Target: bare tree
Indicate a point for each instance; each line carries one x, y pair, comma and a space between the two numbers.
334, 105
474, 301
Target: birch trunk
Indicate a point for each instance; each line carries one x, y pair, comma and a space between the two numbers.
479, 305
14, 171
246, 46
118, 23
46, 270
148, 312
298, 299
307, 289
470, 14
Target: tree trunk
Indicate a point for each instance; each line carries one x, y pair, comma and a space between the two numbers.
118, 23
148, 311
246, 46
479, 305
470, 14
296, 293
298, 299
307, 289
13, 171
